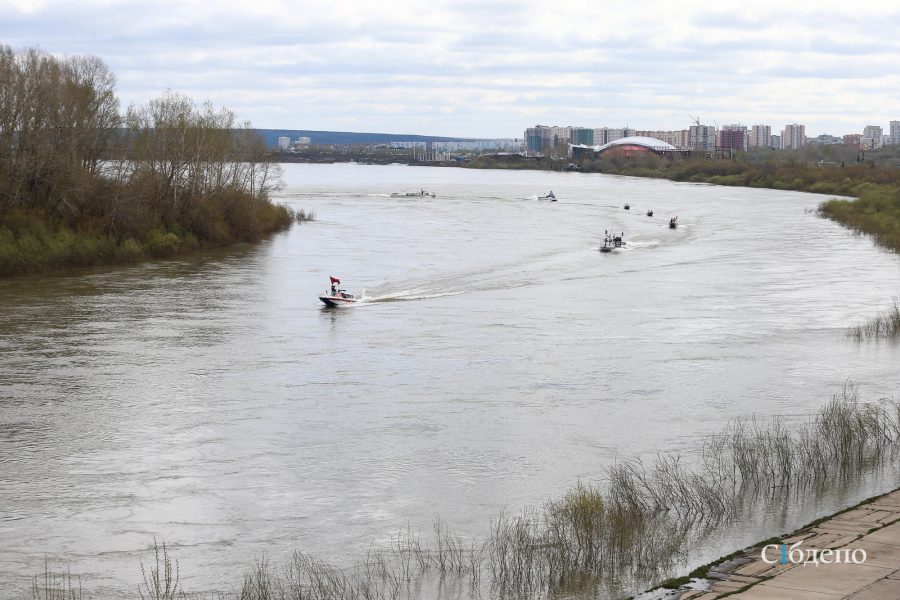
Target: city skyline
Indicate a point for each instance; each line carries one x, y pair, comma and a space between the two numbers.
468, 69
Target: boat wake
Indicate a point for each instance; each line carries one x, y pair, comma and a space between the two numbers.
417, 294
519, 273
643, 243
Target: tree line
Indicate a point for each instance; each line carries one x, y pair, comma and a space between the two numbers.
83, 183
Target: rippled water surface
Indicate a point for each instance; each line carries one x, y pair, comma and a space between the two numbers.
498, 357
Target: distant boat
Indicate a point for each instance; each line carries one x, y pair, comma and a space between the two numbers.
649, 213
551, 197
627, 207
419, 194
612, 242
673, 222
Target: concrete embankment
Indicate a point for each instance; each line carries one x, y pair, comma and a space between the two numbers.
854, 554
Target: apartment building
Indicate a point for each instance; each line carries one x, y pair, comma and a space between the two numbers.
893, 138
734, 137
872, 137
760, 136
702, 137
793, 136
583, 136
537, 138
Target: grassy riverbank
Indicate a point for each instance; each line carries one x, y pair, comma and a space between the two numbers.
33, 242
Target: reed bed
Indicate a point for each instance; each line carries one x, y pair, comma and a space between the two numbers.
301, 216
884, 326
55, 586
630, 531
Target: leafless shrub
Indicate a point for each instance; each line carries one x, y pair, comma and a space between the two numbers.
162, 582
55, 586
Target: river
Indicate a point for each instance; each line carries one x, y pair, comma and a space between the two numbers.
497, 359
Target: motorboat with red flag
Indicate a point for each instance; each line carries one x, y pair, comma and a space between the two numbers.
336, 296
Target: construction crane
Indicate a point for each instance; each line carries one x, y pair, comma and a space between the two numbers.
696, 120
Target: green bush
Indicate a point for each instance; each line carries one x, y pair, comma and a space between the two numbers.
161, 243
129, 250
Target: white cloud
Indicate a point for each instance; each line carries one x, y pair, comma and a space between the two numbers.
490, 68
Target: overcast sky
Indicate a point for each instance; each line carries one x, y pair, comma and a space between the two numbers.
491, 68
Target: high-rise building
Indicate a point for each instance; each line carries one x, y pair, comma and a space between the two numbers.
703, 137
583, 136
893, 138
871, 137
734, 137
760, 136
793, 136
561, 135
536, 140
284, 143
775, 140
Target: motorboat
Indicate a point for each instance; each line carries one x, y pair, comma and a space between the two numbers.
551, 197
673, 222
649, 213
337, 297
612, 242
627, 207
419, 194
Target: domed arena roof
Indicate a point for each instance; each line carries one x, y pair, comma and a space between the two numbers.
639, 140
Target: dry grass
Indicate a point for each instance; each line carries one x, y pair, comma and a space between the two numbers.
884, 326
55, 586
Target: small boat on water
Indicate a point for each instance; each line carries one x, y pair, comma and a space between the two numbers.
337, 297
420, 194
551, 197
673, 222
649, 213
612, 242
627, 207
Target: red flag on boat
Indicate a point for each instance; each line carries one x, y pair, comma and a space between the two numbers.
335, 280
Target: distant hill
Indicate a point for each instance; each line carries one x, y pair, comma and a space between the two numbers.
348, 137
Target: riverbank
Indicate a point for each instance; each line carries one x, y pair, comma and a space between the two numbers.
33, 243
854, 553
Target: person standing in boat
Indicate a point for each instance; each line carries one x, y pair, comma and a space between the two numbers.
334, 281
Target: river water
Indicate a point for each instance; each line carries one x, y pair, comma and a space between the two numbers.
497, 359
